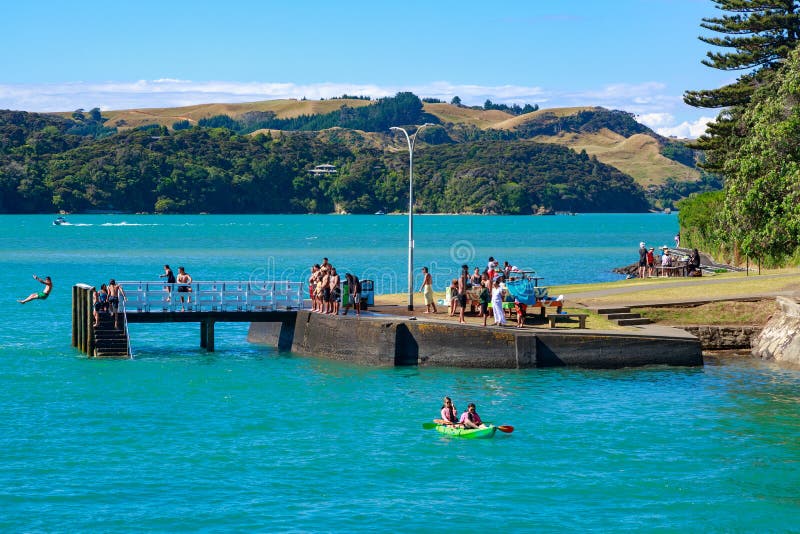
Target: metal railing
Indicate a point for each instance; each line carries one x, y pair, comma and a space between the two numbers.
212, 296
122, 308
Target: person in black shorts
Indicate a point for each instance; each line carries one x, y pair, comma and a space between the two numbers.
184, 279
354, 292
170, 276
642, 260
483, 298
462, 292
115, 292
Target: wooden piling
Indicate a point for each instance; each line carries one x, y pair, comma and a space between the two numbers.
82, 319
74, 316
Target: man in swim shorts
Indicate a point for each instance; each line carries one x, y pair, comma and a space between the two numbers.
115, 291
40, 295
354, 290
184, 280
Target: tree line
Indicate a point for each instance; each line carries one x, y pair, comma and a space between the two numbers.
201, 169
753, 143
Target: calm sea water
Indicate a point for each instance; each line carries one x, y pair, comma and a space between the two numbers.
249, 439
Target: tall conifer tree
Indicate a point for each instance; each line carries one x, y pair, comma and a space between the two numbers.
757, 36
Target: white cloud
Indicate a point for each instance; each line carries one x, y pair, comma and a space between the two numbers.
656, 120
168, 92
686, 129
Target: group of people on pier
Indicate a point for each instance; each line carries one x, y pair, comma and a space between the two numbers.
325, 290
183, 280
491, 289
106, 300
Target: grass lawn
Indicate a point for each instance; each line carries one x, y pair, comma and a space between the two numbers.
716, 313
662, 290
640, 295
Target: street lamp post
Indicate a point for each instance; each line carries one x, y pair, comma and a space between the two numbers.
411, 141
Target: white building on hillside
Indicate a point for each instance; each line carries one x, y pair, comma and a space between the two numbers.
320, 170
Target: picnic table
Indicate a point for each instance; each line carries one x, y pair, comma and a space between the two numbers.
678, 269
542, 303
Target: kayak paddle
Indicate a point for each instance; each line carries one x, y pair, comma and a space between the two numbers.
508, 429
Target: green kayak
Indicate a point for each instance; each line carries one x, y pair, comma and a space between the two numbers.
472, 433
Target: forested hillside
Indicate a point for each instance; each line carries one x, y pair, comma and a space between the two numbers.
256, 162
753, 144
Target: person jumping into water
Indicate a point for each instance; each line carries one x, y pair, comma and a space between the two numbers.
41, 295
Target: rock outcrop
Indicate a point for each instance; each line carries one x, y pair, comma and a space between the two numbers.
724, 337
780, 339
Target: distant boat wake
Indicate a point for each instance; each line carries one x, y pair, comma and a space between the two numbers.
123, 223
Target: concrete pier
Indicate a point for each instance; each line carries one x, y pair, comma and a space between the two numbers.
395, 341
381, 340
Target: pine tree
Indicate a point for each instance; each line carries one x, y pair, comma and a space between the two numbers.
758, 35
762, 191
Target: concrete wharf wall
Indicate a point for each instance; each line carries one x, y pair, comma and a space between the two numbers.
394, 341
715, 337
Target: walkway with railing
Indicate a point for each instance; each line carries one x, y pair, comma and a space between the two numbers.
206, 303
155, 297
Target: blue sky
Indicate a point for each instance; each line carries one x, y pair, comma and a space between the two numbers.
635, 55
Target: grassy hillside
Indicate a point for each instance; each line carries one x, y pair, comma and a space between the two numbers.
638, 155
284, 109
462, 115
512, 123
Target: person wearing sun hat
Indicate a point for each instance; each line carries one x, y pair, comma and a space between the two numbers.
666, 260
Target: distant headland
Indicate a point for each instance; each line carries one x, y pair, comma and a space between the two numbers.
258, 158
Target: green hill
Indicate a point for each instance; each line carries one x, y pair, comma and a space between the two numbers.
636, 151
256, 158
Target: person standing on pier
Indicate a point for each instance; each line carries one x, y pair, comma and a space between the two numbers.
462, 293
184, 279
497, 304
115, 291
427, 291
100, 303
483, 298
354, 289
326, 287
312, 286
336, 292
40, 295
170, 276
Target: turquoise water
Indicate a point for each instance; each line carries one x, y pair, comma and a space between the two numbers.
250, 439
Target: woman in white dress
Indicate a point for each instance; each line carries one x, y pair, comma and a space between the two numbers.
497, 304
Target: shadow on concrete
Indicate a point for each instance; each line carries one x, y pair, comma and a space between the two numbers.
406, 348
546, 357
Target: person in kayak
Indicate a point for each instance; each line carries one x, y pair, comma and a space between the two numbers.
449, 413
470, 418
